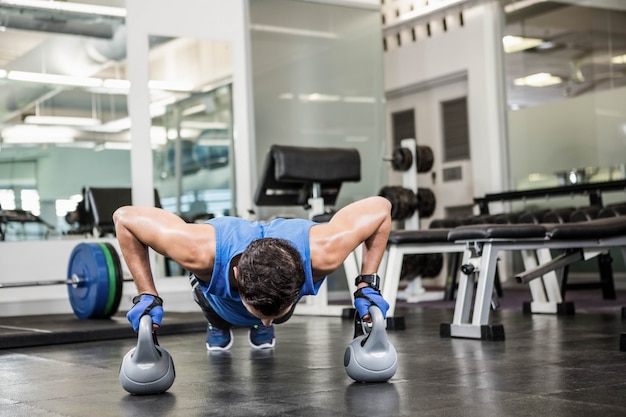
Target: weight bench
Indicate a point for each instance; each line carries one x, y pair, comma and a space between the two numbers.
404, 242
483, 243
102, 203
306, 177
310, 178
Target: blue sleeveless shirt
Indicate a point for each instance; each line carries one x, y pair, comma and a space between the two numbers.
232, 236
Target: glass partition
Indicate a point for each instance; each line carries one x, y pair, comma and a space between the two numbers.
64, 125
566, 92
194, 167
317, 77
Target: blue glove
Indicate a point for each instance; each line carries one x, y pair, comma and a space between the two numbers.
145, 304
365, 297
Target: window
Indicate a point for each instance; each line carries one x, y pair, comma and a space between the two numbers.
403, 126
455, 130
7, 199
30, 201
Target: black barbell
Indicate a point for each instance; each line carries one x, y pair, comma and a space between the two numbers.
94, 280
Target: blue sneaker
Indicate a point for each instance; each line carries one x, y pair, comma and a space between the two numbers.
218, 339
262, 337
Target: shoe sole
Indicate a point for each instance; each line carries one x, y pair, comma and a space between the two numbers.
262, 345
220, 348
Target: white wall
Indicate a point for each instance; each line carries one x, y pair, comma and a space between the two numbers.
469, 49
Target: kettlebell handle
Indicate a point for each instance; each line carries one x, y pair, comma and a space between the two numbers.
377, 317
376, 314
145, 324
146, 327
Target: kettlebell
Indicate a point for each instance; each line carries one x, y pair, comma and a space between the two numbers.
370, 357
148, 368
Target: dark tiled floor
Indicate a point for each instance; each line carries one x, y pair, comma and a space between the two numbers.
547, 366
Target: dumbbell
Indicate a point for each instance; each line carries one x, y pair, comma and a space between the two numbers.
404, 201
425, 265
402, 158
94, 281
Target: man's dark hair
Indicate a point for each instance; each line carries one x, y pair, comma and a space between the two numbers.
270, 275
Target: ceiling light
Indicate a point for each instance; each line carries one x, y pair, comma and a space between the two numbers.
81, 144
60, 120
90, 9
36, 77
117, 146
3, 73
37, 134
114, 126
293, 31
619, 59
359, 99
201, 125
169, 86
116, 84
518, 43
319, 97
541, 79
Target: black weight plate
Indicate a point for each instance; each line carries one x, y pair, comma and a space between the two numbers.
433, 265
425, 158
119, 278
426, 202
401, 159
88, 299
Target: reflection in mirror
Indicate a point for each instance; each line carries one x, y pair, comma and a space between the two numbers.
566, 82
192, 135
64, 123
61, 84
193, 166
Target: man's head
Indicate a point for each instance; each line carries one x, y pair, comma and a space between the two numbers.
270, 275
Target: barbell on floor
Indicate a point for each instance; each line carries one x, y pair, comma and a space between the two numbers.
94, 280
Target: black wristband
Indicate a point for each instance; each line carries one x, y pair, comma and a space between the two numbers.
158, 301
372, 279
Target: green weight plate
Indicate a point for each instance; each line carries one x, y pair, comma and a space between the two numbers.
89, 298
111, 281
116, 293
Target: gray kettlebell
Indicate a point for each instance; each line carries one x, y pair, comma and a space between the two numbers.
148, 368
370, 357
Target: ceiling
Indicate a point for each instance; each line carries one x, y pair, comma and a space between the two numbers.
581, 42
84, 45
38, 40
578, 45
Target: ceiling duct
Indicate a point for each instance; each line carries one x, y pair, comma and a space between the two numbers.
81, 45
71, 27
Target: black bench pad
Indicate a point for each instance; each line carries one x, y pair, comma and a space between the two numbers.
497, 231
418, 236
294, 163
593, 229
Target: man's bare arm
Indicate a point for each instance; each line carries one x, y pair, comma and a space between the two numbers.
367, 221
192, 246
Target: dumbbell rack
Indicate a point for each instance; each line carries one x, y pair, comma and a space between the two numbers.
415, 291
